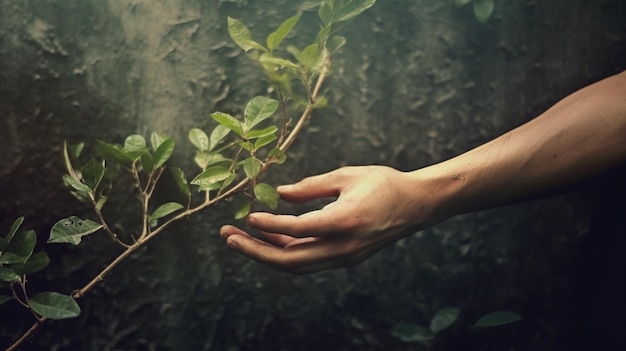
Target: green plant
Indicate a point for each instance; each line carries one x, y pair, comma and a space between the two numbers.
483, 9
230, 159
443, 319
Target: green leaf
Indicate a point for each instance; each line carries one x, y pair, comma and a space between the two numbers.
112, 152
444, 318
228, 121
218, 133
309, 56
35, 263
72, 229
156, 140
483, 10
268, 60
135, 146
76, 184
251, 166
497, 318
264, 140
14, 227
240, 34
460, 3
68, 162
166, 209
4, 298
260, 133
274, 39
20, 248
8, 275
199, 139
279, 156
259, 109
335, 43
212, 175
325, 11
54, 305
92, 173
205, 159
243, 210
352, 9
181, 181
163, 152
267, 195
412, 333
147, 162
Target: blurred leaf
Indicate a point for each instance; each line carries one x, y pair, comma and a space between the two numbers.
353, 8
444, 318
264, 140
267, 195
497, 318
460, 3
251, 166
259, 109
20, 248
76, 184
181, 181
147, 162
279, 156
113, 152
228, 121
35, 263
76, 149
335, 43
68, 162
259, 133
483, 10
240, 34
14, 227
412, 333
322, 35
156, 140
4, 298
218, 133
134, 146
163, 152
72, 229
166, 209
8, 275
212, 175
92, 173
309, 56
243, 210
274, 39
199, 139
54, 305
325, 11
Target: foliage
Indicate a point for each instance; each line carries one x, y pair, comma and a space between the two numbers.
483, 9
230, 160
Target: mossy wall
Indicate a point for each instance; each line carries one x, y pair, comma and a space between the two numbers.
417, 83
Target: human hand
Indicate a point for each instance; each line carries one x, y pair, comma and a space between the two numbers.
374, 206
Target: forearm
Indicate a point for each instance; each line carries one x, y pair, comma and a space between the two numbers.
579, 137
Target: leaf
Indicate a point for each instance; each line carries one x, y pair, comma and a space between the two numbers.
268, 60
251, 166
20, 248
156, 140
147, 162
166, 209
76, 184
259, 109
241, 35
199, 139
68, 162
460, 3
112, 152
4, 298
181, 181
264, 140
309, 56
274, 39
8, 275
35, 263
352, 9
92, 173
54, 305
483, 10
260, 133
218, 133
163, 152
444, 318
497, 318
228, 121
72, 229
135, 146
14, 227
267, 195
335, 43
243, 210
205, 159
412, 333
325, 11
279, 156
212, 175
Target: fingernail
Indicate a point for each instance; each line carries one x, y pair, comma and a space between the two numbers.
232, 243
284, 187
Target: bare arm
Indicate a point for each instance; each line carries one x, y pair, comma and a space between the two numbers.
579, 137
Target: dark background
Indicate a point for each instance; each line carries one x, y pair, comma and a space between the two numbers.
419, 81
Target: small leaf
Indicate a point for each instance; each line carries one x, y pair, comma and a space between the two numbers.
335, 43
112, 152
325, 11
205, 159
72, 229
8, 275
309, 56
259, 109
240, 34
135, 146
264, 140
279, 156
35, 263
92, 173
218, 133
4, 298
274, 39
497, 318
243, 210
251, 166
483, 10
76, 184
68, 162
199, 139
181, 181
412, 333
163, 152
20, 248
166, 209
353, 8
156, 140
147, 162
14, 227
228, 121
212, 175
444, 318
267, 195
54, 305
260, 133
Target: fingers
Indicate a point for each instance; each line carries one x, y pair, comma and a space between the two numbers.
318, 223
315, 187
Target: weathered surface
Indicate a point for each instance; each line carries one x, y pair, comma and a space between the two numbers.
418, 82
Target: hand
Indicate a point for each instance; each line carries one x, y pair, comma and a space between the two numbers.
374, 206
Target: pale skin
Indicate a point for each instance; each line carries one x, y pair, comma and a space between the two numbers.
578, 138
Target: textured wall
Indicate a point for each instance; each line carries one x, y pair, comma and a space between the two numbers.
418, 82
